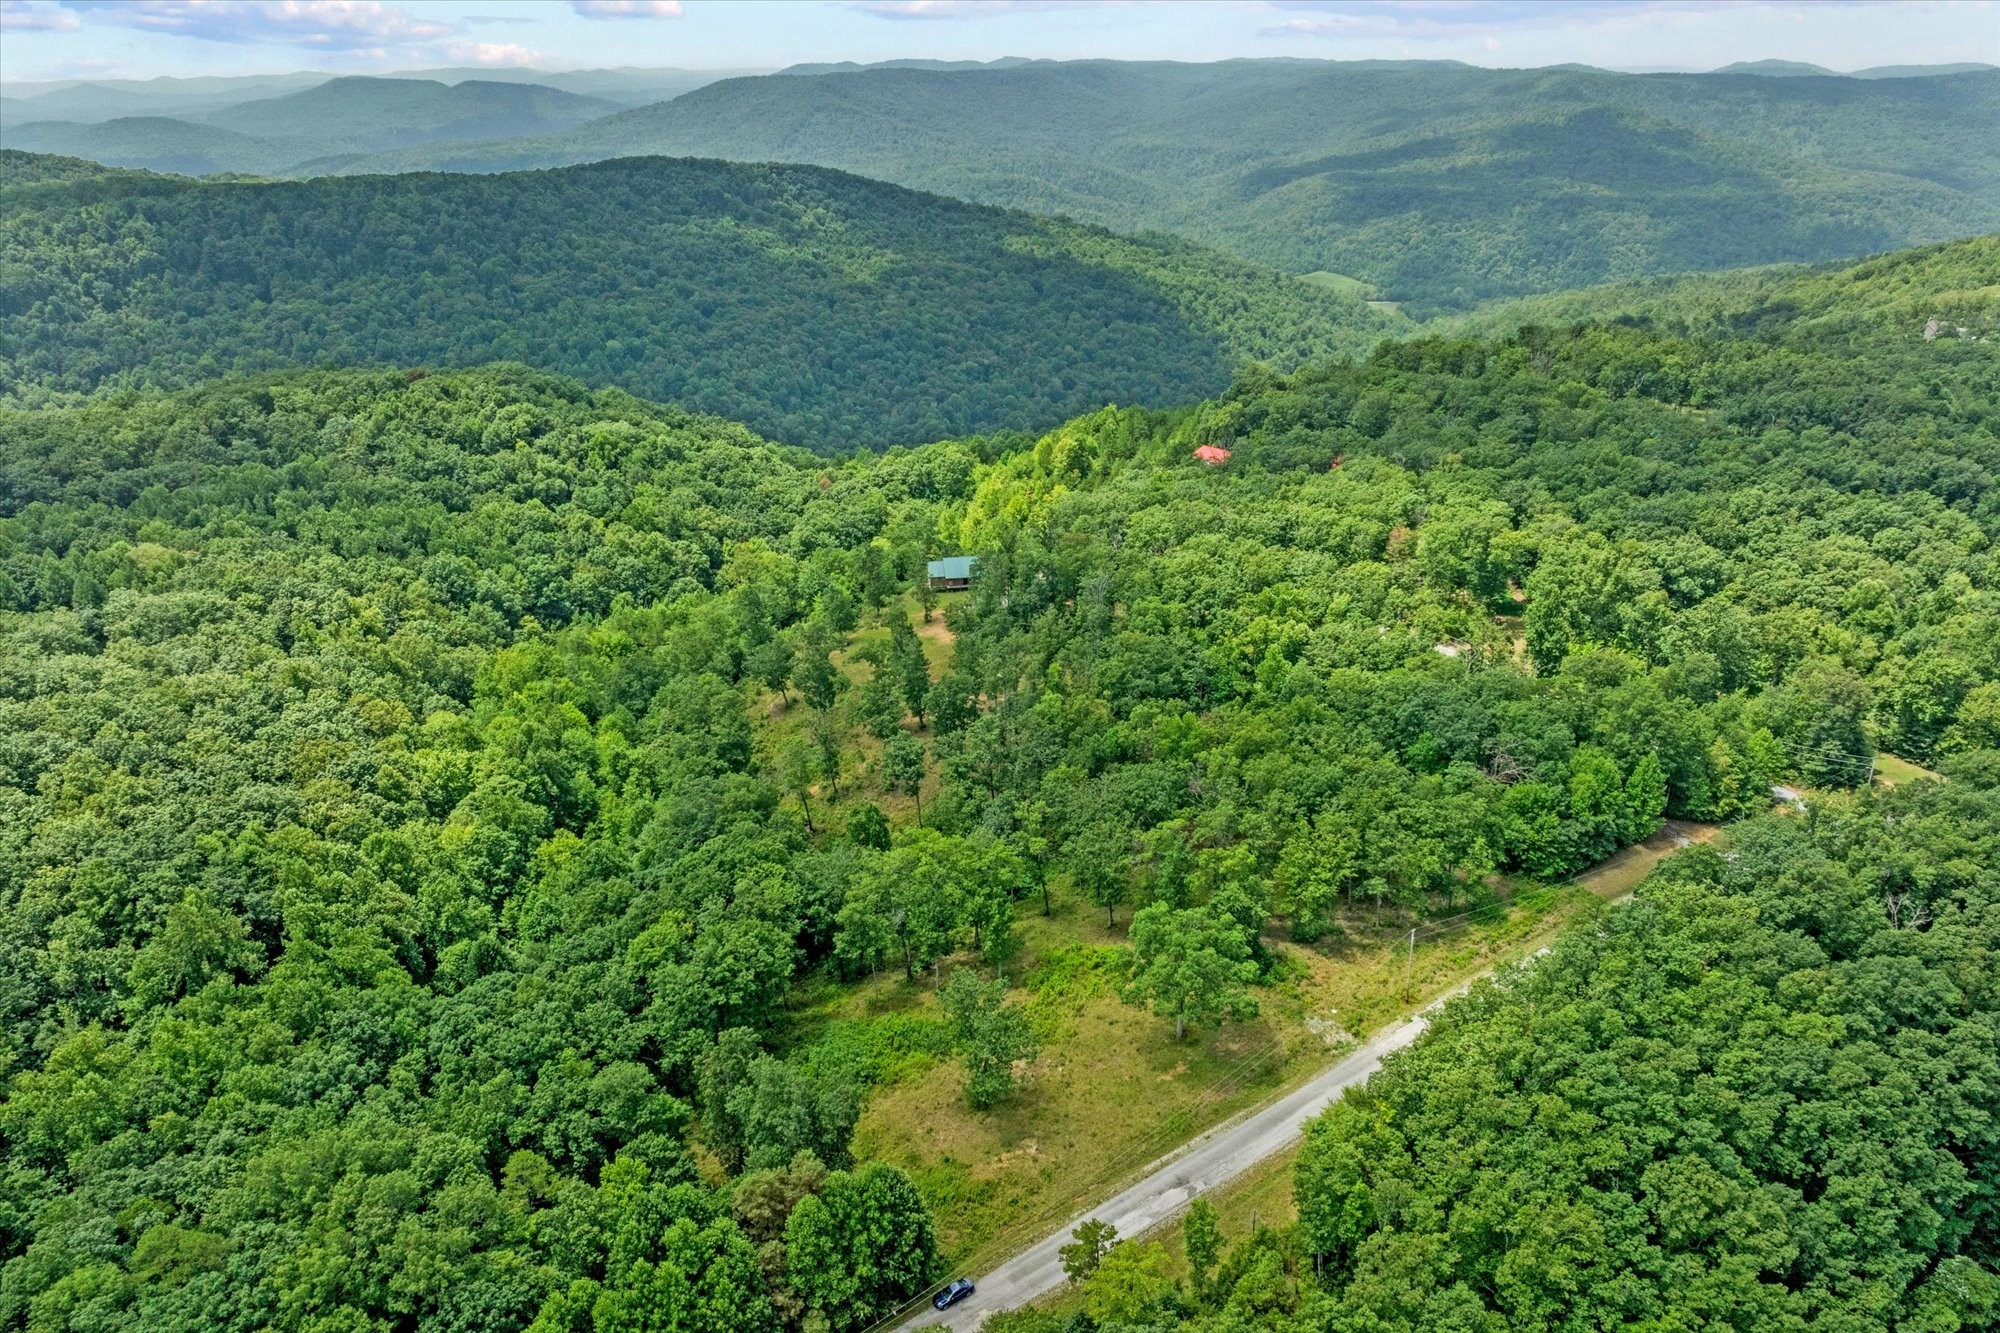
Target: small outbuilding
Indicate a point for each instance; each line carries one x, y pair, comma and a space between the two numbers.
1212, 454
953, 573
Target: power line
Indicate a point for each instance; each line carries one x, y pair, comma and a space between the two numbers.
1828, 753
1833, 757
1823, 749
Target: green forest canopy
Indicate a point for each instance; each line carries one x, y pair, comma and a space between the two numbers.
1443, 184
395, 890
1764, 1097
1949, 291
822, 309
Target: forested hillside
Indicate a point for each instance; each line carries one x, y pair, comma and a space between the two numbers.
157, 143
94, 100
38, 168
1766, 1097
1442, 184
367, 112
822, 309
429, 802
1949, 291
1762, 1097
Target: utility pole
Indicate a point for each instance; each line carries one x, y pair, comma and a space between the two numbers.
1410, 966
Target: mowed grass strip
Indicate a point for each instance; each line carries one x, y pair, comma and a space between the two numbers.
1893, 772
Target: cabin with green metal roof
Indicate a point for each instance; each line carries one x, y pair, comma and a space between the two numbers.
952, 573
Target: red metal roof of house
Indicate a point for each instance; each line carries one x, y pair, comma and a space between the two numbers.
1212, 454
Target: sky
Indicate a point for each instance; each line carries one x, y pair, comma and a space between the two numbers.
67, 39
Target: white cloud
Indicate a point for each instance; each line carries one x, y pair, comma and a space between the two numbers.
964, 9
496, 54
321, 25
1452, 20
26, 15
357, 31
627, 9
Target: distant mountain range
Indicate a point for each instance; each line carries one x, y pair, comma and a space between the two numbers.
102, 99
1437, 184
155, 143
326, 123
414, 109
1441, 183
851, 67
91, 102
1792, 69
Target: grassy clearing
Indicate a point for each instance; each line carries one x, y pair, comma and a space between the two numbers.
1365, 985
1112, 1091
1893, 772
1341, 285
1890, 771
1349, 988
934, 634
1617, 876
777, 719
1371, 976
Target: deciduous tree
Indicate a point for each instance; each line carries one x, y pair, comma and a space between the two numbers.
990, 1033
1090, 1242
1190, 964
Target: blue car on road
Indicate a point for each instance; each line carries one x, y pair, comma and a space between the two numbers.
955, 1291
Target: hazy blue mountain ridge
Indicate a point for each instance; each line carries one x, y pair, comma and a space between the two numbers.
1441, 183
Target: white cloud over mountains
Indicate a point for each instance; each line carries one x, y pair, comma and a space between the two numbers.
967, 9
333, 25
36, 16
627, 9
362, 30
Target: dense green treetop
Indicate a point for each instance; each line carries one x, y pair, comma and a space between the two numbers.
19, 168
822, 309
1765, 1097
1888, 298
409, 1074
